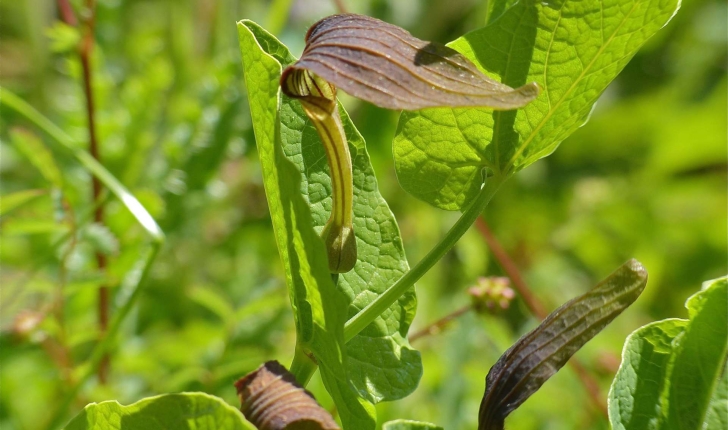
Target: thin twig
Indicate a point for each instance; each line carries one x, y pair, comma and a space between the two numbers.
66, 11
440, 324
340, 6
536, 308
86, 51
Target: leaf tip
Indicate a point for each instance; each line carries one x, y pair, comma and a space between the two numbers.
633, 273
243, 22
637, 268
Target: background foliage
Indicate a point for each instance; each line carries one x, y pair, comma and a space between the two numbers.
645, 178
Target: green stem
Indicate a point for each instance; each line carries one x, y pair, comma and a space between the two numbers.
302, 367
367, 315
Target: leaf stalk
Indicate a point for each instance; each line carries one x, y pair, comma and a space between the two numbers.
375, 308
303, 366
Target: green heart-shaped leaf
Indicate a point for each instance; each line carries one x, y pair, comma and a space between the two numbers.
572, 48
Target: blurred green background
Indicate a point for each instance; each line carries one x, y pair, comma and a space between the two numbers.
645, 178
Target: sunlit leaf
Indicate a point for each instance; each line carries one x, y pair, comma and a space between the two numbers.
319, 309
192, 411
671, 368
395, 370
572, 49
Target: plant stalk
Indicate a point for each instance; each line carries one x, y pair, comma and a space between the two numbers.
85, 52
135, 280
340, 6
509, 266
303, 366
375, 308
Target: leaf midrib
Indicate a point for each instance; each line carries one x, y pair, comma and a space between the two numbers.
496, 123
578, 80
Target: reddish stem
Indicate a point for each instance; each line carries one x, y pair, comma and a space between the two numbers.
340, 6
85, 51
536, 308
511, 270
66, 11
440, 324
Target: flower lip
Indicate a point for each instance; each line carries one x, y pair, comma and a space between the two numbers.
387, 66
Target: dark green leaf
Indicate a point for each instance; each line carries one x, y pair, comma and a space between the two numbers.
538, 355
700, 357
717, 416
642, 378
